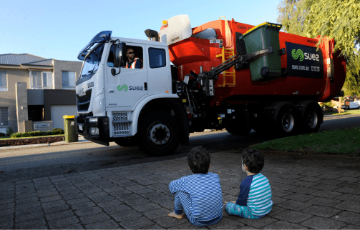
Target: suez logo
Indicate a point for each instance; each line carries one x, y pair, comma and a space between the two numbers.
126, 88
299, 54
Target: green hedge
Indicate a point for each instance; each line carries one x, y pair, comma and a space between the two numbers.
37, 133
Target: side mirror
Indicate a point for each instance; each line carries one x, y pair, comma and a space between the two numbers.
119, 54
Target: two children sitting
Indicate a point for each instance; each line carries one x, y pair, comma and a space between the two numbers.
200, 197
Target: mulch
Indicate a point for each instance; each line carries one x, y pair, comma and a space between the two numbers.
31, 141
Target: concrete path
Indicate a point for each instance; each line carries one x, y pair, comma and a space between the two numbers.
309, 191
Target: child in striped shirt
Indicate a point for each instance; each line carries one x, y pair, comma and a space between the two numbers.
198, 195
254, 200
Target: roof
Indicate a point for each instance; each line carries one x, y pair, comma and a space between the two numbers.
24, 59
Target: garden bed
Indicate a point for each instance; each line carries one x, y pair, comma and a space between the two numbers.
30, 141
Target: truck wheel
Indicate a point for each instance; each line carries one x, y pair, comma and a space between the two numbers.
237, 129
159, 134
311, 120
126, 141
286, 122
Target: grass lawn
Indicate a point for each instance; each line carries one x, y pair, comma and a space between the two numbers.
8, 138
342, 141
350, 111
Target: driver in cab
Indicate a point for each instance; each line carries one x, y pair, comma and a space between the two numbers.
133, 62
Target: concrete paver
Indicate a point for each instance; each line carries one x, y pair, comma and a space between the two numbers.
309, 191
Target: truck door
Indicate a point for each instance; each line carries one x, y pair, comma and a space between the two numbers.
159, 72
127, 88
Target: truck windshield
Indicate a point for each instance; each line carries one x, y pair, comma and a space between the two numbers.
91, 63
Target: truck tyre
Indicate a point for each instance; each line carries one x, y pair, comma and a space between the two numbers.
159, 134
311, 120
238, 129
286, 121
126, 141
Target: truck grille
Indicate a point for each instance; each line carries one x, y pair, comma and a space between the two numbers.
121, 123
84, 101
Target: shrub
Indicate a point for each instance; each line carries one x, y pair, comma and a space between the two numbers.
58, 131
2, 135
35, 133
9, 131
328, 104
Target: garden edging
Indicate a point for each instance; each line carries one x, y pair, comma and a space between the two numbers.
31, 140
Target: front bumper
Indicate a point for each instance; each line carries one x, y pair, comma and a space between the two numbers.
83, 126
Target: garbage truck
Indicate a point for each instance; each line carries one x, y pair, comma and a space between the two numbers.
219, 75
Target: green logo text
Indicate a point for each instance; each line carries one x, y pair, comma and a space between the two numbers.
122, 87
297, 54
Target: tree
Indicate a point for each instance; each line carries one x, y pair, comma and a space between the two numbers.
338, 19
352, 82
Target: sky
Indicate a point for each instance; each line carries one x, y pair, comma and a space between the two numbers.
59, 29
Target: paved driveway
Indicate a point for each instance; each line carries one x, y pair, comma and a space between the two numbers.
309, 191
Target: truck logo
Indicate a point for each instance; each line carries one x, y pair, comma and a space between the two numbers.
297, 53
122, 87
307, 56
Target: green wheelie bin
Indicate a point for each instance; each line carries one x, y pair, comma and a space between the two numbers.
262, 37
70, 128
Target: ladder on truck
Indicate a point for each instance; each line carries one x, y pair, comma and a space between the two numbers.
229, 76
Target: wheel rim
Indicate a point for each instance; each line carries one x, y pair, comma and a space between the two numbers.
159, 133
288, 122
312, 119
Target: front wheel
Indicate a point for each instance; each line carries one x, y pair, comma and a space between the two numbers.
159, 134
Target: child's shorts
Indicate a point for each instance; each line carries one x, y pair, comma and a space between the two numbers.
242, 211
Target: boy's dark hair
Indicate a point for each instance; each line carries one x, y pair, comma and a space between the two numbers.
199, 160
253, 159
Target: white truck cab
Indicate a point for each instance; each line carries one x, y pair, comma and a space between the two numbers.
113, 100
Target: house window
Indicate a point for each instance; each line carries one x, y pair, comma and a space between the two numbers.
3, 81
47, 80
41, 80
68, 79
4, 117
157, 58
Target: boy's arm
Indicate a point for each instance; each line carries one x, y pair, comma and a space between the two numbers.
177, 185
244, 191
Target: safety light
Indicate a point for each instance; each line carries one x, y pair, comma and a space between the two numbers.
93, 120
94, 131
165, 23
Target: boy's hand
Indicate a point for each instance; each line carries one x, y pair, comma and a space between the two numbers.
173, 214
231, 202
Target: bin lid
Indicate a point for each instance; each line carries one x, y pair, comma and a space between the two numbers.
263, 24
69, 116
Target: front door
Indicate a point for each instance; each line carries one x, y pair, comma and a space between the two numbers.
127, 88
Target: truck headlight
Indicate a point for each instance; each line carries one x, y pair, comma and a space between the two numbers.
94, 131
93, 120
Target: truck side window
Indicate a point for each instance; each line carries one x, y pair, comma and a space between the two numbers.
111, 58
157, 58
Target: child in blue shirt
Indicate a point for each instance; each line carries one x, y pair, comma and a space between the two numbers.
198, 195
254, 200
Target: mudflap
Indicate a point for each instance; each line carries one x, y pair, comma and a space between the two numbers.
184, 122
97, 141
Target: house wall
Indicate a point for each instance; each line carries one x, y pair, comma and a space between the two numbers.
57, 97
35, 96
60, 66
8, 98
